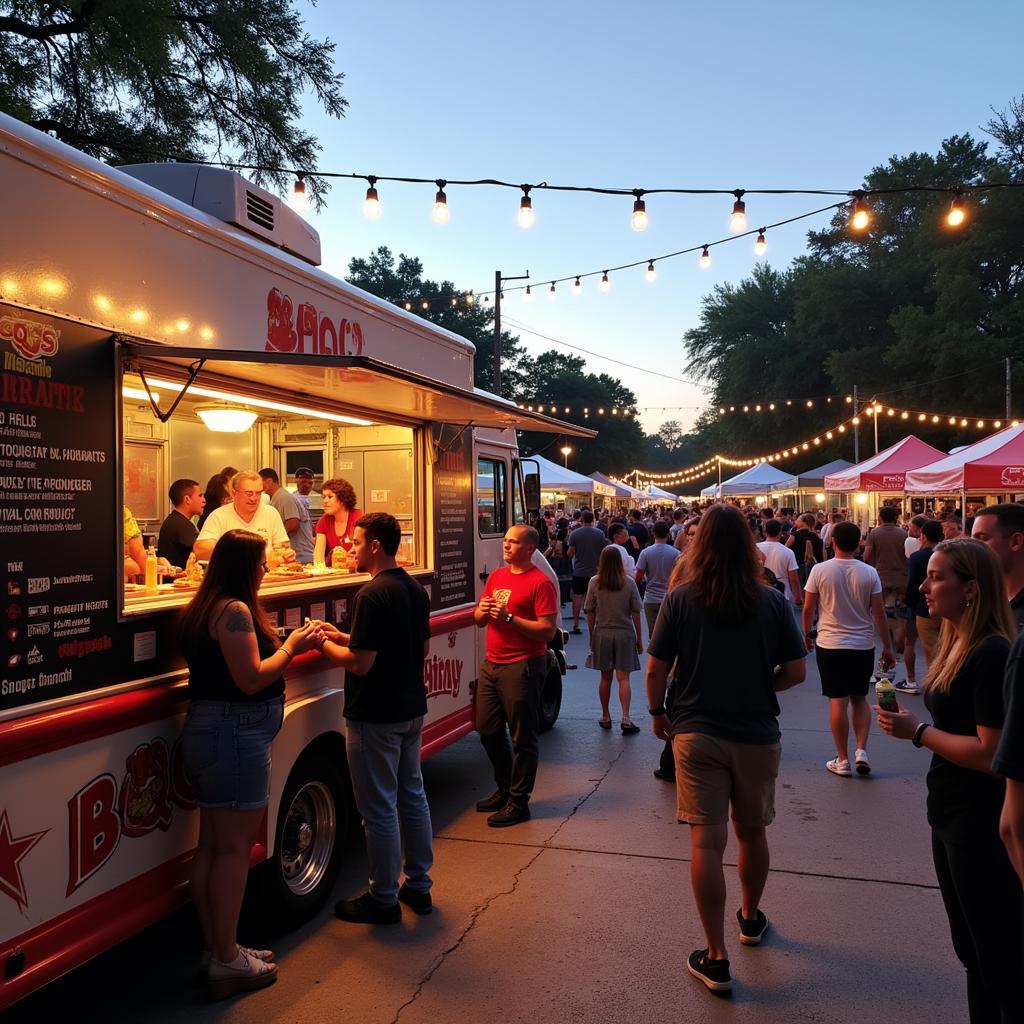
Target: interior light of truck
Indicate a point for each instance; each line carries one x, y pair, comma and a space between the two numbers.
139, 394
224, 419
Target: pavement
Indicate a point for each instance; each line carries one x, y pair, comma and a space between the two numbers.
585, 913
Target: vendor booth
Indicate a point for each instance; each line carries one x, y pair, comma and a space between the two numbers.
987, 472
806, 491
881, 479
659, 496
625, 497
755, 482
561, 486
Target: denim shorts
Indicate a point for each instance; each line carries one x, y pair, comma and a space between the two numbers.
225, 748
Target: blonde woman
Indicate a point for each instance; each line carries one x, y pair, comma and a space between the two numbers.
964, 693
612, 607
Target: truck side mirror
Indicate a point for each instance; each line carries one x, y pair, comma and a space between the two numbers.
531, 487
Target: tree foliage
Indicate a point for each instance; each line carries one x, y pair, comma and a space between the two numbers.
916, 313
124, 80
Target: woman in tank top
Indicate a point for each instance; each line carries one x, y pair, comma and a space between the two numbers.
236, 689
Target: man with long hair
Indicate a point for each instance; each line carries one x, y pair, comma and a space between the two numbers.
737, 645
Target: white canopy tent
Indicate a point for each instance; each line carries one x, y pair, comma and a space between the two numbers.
660, 495
557, 480
760, 479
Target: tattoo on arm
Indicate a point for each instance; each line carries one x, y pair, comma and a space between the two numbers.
239, 621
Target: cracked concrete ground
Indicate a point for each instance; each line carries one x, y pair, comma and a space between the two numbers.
585, 914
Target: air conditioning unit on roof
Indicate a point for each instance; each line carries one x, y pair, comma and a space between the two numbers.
231, 198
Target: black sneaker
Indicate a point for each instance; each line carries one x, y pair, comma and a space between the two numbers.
366, 910
510, 814
714, 973
660, 773
752, 930
415, 900
495, 802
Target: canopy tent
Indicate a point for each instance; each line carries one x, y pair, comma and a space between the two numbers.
760, 479
994, 464
630, 494
659, 494
886, 471
813, 479
557, 478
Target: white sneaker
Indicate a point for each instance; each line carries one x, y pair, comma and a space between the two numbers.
860, 759
839, 767
266, 955
907, 686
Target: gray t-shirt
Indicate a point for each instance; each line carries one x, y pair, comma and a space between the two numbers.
657, 562
613, 608
587, 543
724, 679
301, 538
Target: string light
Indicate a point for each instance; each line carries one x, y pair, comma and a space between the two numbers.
470, 298
371, 204
705, 259
440, 212
577, 289
760, 246
860, 214
638, 220
605, 283
956, 215
551, 291
738, 220
525, 217
528, 295
299, 199
651, 274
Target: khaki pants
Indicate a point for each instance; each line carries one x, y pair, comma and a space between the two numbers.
928, 631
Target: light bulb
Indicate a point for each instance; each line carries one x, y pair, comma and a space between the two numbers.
651, 274
577, 289
705, 259
638, 222
424, 304
605, 283
760, 246
470, 298
527, 295
957, 215
526, 217
551, 291
860, 215
299, 200
455, 300
371, 204
440, 212
738, 220
487, 300
408, 305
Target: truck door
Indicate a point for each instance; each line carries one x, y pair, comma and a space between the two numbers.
493, 505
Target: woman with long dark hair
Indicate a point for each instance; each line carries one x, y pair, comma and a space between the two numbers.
612, 607
217, 493
236, 692
737, 645
964, 693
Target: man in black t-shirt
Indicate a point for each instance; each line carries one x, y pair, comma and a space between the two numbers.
1009, 759
385, 702
639, 532
177, 531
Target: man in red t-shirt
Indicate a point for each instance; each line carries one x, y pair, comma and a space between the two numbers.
520, 609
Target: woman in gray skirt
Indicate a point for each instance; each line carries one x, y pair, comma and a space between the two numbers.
613, 611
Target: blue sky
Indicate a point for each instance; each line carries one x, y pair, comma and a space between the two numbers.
739, 95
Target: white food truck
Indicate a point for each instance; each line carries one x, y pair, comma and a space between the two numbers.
133, 301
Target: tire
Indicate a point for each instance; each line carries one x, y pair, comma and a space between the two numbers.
309, 839
551, 694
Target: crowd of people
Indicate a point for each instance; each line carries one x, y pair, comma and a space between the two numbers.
732, 599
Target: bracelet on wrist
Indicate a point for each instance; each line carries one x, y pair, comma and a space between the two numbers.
657, 712
290, 653
918, 738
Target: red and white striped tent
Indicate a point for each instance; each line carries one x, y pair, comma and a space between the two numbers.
993, 464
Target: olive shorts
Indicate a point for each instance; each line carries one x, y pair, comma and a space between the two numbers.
713, 774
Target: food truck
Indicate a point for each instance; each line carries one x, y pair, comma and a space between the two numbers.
133, 302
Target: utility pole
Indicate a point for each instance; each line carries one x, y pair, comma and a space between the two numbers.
1009, 389
856, 428
498, 279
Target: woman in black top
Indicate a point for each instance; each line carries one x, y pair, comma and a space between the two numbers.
963, 692
236, 688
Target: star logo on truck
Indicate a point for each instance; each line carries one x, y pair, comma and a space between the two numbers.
12, 850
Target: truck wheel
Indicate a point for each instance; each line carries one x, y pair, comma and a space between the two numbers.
312, 826
551, 694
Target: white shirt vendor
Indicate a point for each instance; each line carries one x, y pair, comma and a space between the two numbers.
266, 521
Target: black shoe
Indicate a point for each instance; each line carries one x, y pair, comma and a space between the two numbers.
495, 802
660, 773
415, 900
510, 814
714, 973
629, 729
752, 930
576, 630
366, 910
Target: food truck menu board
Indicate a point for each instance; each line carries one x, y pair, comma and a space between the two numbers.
58, 563
453, 521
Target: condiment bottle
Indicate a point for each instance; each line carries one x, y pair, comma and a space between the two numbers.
151, 575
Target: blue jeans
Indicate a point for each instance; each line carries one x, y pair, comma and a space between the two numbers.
384, 764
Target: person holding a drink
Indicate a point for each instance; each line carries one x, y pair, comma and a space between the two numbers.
335, 528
